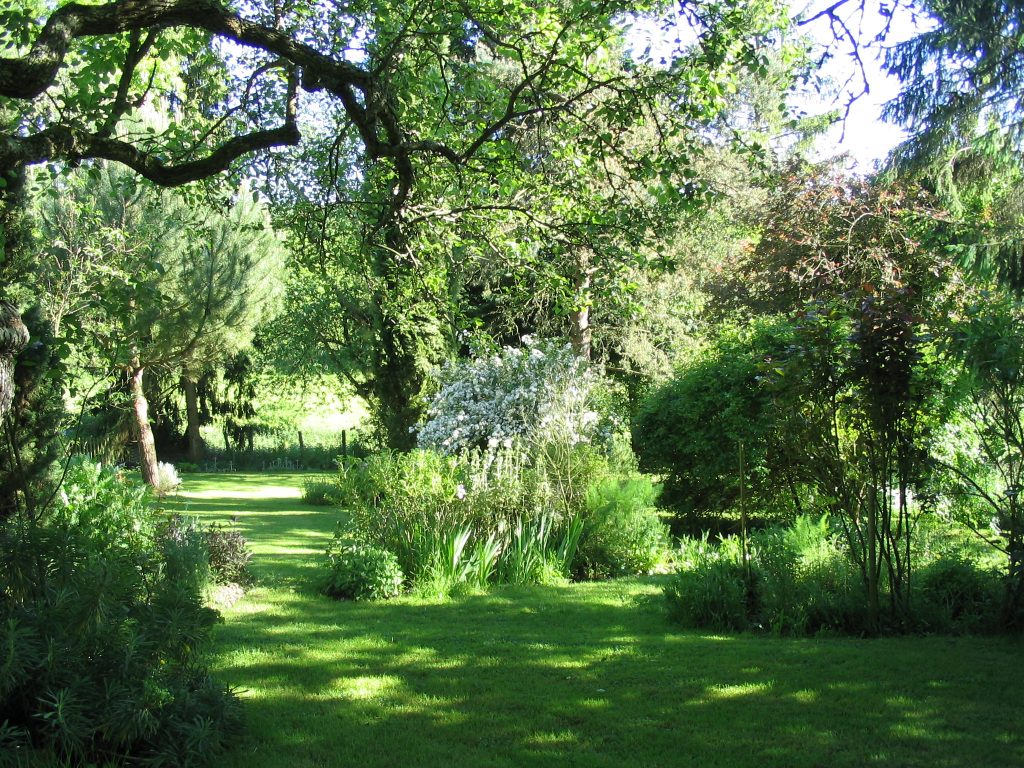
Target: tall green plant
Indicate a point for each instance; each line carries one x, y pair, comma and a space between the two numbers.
987, 339
103, 631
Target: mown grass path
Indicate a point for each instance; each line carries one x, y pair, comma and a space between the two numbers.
582, 675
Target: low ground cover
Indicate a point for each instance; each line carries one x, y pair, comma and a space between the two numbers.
588, 674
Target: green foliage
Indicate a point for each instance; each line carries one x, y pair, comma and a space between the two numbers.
805, 580
711, 594
104, 506
961, 87
229, 555
691, 428
361, 571
622, 532
985, 465
102, 629
536, 554
457, 522
798, 581
390, 497
320, 491
959, 596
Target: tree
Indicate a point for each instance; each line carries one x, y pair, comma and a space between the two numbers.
962, 99
861, 381
169, 285
455, 82
30, 429
987, 339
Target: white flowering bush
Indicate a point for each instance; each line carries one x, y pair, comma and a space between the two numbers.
167, 479
540, 390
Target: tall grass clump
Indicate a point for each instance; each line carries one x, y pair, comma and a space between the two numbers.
457, 522
797, 581
102, 633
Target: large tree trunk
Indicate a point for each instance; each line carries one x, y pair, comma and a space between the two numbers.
580, 334
13, 339
196, 447
397, 378
141, 430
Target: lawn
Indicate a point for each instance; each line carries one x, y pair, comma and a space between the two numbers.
586, 674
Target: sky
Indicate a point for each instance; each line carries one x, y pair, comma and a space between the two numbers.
863, 135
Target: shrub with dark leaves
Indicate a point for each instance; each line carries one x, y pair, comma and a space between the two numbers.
229, 555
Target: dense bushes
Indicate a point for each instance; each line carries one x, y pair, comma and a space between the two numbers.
320, 491
800, 580
691, 428
502, 516
102, 627
797, 581
415, 505
622, 533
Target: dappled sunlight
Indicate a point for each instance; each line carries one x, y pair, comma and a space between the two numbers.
588, 674
738, 691
365, 687
260, 492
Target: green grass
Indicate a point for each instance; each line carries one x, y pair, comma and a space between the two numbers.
582, 675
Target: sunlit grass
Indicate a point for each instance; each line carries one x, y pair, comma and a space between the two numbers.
585, 675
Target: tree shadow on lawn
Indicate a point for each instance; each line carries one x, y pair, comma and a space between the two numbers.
285, 535
584, 676
589, 675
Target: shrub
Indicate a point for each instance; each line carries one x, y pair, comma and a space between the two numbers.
798, 582
958, 596
806, 582
622, 533
167, 480
104, 507
690, 429
103, 625
320, 491
462, 521
712, 595
361, 571
540, 390
390, 498
229, 555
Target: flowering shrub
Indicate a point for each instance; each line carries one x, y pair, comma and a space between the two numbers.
167, 480
517, 394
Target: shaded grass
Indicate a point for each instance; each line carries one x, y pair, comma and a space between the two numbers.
587, 675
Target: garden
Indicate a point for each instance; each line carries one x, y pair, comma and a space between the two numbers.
486, 384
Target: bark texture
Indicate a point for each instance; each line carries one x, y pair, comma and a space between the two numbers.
142, 432
196, 446
13, 339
